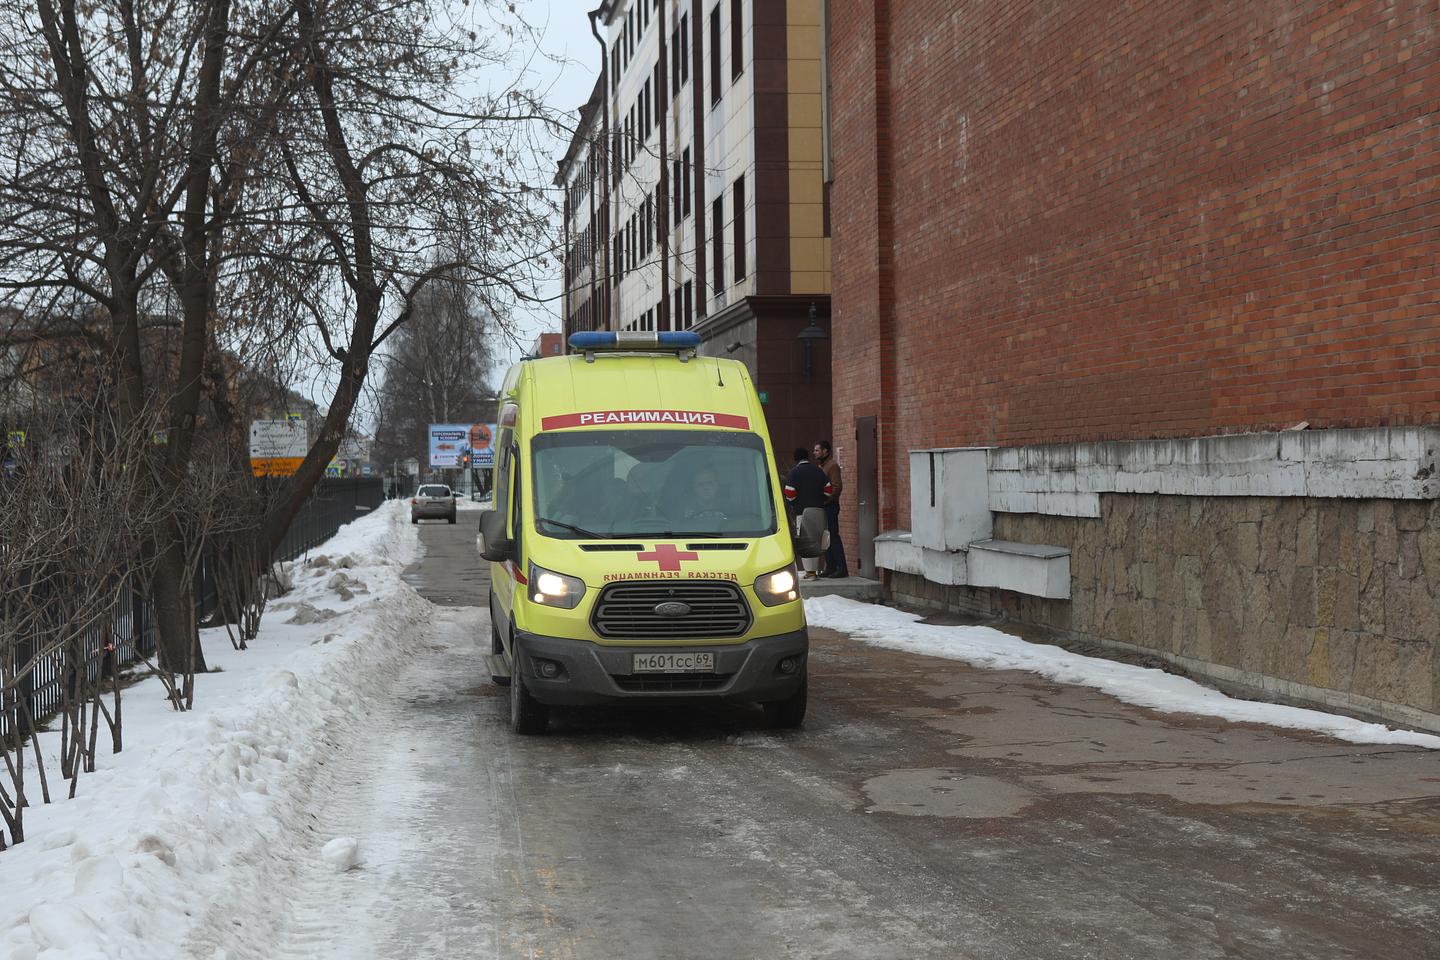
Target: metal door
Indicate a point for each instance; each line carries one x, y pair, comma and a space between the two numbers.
867, 516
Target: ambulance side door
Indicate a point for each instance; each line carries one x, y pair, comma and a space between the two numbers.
503, 576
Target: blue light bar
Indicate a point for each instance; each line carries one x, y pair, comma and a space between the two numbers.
592, 340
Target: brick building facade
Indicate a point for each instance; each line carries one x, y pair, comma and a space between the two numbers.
1065, 230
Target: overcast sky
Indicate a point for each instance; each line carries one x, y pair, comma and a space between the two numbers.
563, 71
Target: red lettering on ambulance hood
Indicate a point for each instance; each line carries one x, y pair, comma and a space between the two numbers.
612, 418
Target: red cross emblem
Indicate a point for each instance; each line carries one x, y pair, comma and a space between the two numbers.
667, 556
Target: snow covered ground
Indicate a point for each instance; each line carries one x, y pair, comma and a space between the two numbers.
1142, 686
187, 843
181, 818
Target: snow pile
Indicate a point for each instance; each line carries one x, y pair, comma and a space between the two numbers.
179, 819
1142, 686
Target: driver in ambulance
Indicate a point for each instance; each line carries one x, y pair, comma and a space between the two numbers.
699, 500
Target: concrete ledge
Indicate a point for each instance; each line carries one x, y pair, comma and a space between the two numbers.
894, 551
851, 588
1033, 569
1037, 570
1391, 463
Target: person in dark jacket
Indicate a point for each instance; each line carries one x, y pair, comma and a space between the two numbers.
835, 566
806, 486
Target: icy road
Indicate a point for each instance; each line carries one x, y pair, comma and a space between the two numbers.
927, 809
348, 789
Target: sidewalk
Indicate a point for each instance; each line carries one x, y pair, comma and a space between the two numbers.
992, 649
851, 588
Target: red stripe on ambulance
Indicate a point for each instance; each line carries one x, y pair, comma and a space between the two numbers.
612, 418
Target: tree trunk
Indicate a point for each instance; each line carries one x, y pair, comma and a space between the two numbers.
175, 634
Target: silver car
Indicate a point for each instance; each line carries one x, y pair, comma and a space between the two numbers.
433, 501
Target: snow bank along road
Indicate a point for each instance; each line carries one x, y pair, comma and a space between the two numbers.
363, 798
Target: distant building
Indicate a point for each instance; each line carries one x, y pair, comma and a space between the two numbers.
548, 345
694, 192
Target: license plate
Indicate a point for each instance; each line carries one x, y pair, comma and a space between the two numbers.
674, 663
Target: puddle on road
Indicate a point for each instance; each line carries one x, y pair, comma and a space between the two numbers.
945, 793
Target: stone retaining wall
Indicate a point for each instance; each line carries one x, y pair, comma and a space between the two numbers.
1325, 600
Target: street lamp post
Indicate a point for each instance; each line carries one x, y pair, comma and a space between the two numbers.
807, 336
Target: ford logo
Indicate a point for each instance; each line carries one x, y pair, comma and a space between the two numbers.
672, 608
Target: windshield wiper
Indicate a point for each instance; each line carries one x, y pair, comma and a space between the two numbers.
671, 534
572, 528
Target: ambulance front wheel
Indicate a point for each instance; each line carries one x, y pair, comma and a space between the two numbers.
789, 713
527, 715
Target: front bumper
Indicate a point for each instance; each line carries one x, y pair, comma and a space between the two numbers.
594, 674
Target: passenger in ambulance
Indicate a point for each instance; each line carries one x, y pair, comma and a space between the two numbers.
642, 485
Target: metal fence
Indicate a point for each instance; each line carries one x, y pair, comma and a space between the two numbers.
129, 632
334, 503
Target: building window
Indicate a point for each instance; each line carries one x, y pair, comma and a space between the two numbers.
675, 314
717, 227
715, 55
740, 265
684, 49
675, 61
649, 209
737, 39
675, 188
685, 178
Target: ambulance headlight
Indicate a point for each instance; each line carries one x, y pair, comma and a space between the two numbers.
778, 587
555, 589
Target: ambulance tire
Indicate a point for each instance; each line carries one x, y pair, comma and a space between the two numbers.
527, 715
789, 713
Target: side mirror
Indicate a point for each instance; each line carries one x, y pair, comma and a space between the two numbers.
494, 546
813, 537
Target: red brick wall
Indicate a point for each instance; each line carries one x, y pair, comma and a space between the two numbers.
861, 283
1122, 220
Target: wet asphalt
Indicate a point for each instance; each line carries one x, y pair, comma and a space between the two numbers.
926, 810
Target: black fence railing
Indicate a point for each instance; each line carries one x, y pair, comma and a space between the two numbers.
128, 633
334, 503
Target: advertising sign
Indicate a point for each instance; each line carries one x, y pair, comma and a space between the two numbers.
450, 443
482, 446
277, 447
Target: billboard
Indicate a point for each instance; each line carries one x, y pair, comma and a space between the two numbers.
277, 447
450, 443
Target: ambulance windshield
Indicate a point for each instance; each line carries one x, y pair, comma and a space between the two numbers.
643, 482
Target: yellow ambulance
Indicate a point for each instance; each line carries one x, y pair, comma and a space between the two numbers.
639, 545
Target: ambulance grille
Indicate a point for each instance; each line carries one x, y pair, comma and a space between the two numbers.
627, 611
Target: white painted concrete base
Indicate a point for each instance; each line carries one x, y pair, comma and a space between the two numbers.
1033, 569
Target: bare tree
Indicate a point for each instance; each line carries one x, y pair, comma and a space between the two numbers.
66, 579
436, 370
281, 180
